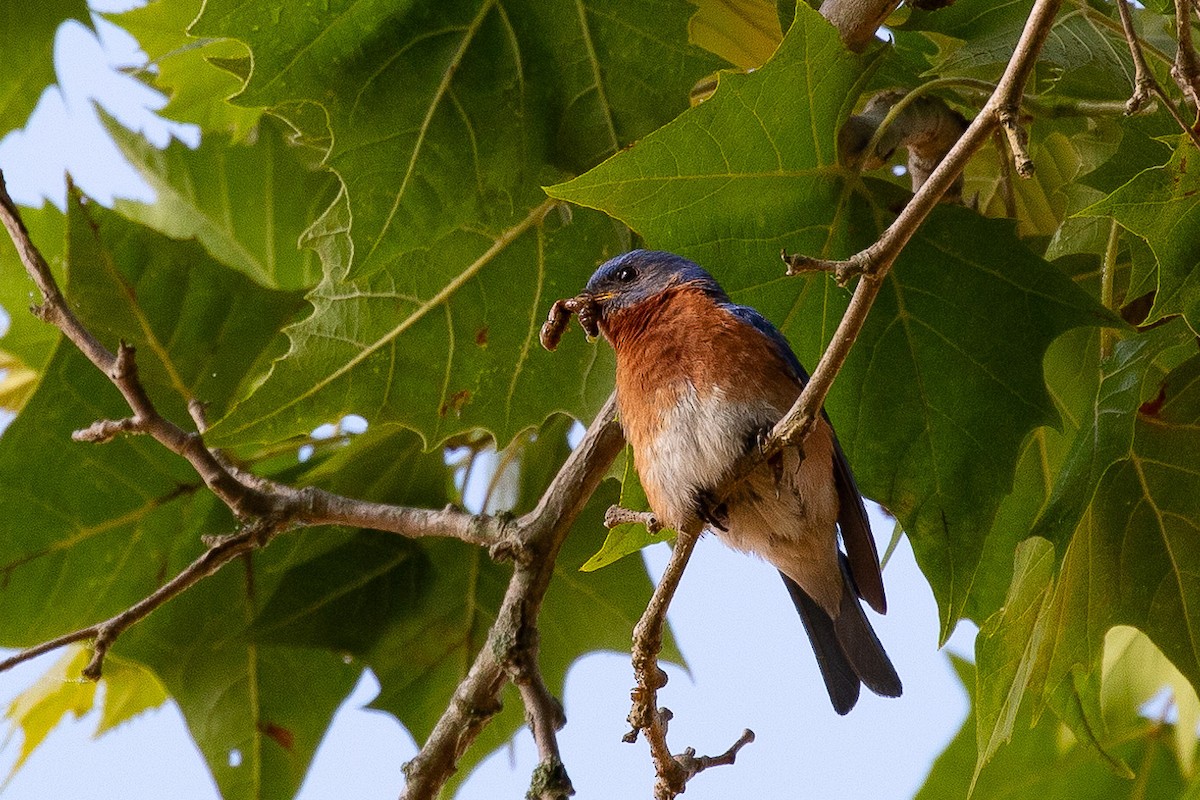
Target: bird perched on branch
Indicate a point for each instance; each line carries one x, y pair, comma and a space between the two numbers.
700, 380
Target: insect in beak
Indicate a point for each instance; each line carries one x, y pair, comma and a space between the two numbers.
585, 306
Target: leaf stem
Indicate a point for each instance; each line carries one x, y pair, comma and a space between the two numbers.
1108, 268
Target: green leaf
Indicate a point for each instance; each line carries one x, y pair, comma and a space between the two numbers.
1008, 646
1044, 763
464, 356
240, 699
1135, 671
188, 315
27, 338
1136, 152
1085, 55
630, 538
722, 182
1106, 435
247, 204
129, 689
1162, 206
1072, 375
442, 141
187, 69
32, 35
1129, 561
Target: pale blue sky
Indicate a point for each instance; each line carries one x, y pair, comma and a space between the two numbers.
750, 664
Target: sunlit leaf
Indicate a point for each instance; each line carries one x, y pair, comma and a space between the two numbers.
743, 32
39, 709
188, 69
1043, 762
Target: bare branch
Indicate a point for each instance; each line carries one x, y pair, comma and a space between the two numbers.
615, 515
646, 716
874, 262
219, 553
857, 20
1018, 140
534, 539
693, 765
1144, 83
1186, 69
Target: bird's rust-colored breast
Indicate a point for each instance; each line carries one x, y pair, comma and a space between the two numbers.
682, 337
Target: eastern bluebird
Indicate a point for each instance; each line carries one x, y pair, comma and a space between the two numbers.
699, 379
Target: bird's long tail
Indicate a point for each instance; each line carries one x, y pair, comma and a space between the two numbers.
848, 651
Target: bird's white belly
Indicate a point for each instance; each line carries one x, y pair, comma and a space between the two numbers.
699, 440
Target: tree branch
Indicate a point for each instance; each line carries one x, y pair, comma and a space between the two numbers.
923, 125
1144, 83
874, 262
1186, 69
857, 20
534, 544
220, 552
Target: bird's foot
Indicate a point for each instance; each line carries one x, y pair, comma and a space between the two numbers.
775, 461
711, 512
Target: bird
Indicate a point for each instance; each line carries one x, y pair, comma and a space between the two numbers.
699, 381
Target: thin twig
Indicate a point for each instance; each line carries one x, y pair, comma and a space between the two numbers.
1007, 191
693, 764
1143, 79
645, 716
1144, 82
1018, 139
874, 262
103, 634
1186, 69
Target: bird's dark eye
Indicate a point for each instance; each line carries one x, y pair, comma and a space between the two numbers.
626, 274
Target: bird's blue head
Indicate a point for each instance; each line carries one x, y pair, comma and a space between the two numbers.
628, 279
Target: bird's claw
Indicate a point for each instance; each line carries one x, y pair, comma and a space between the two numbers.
711, 512
761, 439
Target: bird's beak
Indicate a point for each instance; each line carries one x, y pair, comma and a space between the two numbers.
590, 308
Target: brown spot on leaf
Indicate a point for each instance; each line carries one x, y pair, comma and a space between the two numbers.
481, 336
1150, 408
455, 403
284, 737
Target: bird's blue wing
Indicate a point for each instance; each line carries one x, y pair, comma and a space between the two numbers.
764, 326
852, 516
